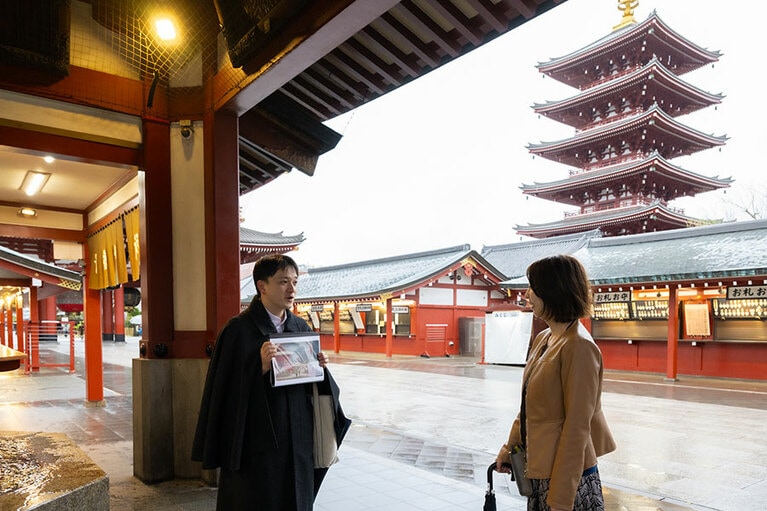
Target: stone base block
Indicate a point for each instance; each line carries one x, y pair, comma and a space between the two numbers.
48, 472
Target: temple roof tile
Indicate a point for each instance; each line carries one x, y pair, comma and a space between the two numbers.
652, 30
589, 221
653, 118
654, 74
654, 159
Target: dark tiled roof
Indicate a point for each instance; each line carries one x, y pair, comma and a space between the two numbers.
735, 249
379, 276
251, 237
371, 278
514, 258
713, 251
73, 278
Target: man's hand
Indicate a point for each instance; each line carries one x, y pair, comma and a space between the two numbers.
268, 352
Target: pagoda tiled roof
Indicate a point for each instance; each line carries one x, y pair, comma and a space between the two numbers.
654, 75
653, 118
651, 31
658, 163
725, 250
613, 216
374, 278
514, 258
34, 268
251, 237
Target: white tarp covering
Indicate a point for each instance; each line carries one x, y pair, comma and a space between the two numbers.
507, 336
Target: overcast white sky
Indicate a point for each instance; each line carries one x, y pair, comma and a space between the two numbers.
439, 162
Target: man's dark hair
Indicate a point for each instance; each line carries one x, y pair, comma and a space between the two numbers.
562, 285
267, 266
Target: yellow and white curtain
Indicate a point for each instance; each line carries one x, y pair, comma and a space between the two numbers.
107, 248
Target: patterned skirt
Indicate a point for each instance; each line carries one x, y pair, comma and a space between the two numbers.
588, 497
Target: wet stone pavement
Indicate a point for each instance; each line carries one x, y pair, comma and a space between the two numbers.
425, 431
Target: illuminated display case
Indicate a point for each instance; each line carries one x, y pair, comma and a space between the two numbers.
612, 310
751, 308
649, 309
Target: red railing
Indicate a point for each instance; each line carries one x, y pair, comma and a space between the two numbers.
37, 339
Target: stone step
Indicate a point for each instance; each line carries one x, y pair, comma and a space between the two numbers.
48, 472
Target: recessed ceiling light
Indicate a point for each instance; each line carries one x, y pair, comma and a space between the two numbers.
49, 159
27, 212
34, 181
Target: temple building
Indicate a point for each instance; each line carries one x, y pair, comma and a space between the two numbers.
627, 130
256, 244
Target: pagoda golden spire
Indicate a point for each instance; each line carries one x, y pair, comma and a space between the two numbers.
627, 6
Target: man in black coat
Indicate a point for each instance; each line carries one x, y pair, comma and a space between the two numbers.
259, 435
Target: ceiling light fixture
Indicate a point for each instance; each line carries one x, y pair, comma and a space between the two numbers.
27, 212
33, 182
165, 29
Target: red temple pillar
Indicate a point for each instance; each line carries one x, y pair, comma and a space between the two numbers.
389, 329
47, 308
34, 305
8, 316
336, 327
119, 314
34, 310
2, 325
19, 328
672, 347
107, 316
94, 366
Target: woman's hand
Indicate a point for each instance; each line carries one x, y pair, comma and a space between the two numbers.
323, 358
504, 469
268, 352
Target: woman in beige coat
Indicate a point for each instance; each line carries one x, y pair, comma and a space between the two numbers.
565, 430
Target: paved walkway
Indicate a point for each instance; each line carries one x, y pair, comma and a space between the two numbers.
425, 430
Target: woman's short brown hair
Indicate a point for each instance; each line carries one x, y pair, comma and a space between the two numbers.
563, 287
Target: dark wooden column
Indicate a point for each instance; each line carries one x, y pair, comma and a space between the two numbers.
119, 314
222, 224
156, 234
107, 316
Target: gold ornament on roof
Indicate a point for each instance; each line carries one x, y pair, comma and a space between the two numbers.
627, 6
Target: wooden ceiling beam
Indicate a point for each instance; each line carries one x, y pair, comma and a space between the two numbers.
459, 22
420, 48
416, 17
401, 59
490, 13
387, 71
525, 8
344, 97
343, 64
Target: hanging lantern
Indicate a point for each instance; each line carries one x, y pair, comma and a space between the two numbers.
132, 296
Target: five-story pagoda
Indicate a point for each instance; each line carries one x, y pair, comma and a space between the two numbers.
625, 114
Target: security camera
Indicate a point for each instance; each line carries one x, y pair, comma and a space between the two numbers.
186, 128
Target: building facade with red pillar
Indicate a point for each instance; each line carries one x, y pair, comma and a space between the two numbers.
684, 301
410, 304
